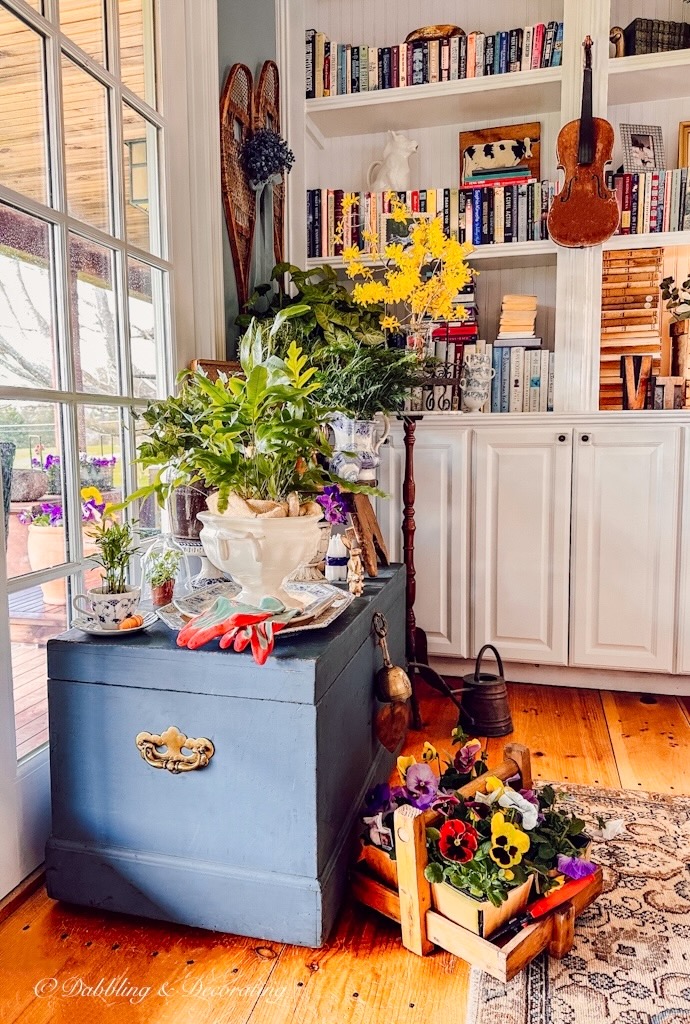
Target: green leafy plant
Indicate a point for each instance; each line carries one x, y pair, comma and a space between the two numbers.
677, 298
116, 545
162, 567
328, 315
362, 380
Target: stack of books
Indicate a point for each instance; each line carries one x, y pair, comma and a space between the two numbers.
524, 371
484, 215
647, 35
630, 316
334, 69
652, 201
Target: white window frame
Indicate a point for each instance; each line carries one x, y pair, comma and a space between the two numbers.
187, 48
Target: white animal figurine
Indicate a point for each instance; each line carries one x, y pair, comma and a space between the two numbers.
392, 173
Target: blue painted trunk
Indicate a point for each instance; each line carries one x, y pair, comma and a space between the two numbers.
258, 842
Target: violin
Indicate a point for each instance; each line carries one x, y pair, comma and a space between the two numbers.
585, 211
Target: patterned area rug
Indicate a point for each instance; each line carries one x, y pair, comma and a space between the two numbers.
631, 960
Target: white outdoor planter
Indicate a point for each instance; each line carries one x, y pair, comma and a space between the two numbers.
260, 553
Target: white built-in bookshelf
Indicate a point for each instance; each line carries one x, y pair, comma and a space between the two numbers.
336, 138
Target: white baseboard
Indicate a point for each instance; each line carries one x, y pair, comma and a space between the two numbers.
583, 678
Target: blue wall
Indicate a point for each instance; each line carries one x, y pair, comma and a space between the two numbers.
247, 35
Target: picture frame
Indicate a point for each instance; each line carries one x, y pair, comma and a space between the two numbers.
643, 148
684, 144
501, 152
392, 230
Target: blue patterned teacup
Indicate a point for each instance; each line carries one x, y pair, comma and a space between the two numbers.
107, 610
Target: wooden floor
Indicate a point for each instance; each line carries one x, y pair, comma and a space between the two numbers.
56, 963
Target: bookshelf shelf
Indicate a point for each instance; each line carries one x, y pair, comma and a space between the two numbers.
493, 257
655, 240
424, 106
649, 77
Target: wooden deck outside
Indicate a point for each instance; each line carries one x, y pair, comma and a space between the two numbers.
53, 957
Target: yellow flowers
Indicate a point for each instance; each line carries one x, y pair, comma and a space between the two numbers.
403, 764
494, 785
91, 494
422, 273
429, 753
508, 843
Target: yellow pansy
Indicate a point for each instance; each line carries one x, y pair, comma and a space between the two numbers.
508, 843
429, 753
403, 764
494, 785
91, 494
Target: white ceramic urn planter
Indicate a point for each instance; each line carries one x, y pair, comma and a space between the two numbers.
259, 553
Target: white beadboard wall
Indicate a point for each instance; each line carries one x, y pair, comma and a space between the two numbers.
384, 22
667, 114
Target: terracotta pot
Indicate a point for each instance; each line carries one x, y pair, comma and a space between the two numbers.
163, 594
46, 549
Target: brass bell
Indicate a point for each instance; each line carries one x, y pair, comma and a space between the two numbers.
392, 681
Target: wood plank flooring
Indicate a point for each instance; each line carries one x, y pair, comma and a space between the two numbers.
161, 974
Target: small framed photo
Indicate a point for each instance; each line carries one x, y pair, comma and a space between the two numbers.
643, 147
684, 144
392, 230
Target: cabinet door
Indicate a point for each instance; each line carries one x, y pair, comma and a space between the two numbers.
625, 524
441, 471
521, 547
683, 656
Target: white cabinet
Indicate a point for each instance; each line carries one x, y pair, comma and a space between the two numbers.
521, 545
624, 558
441, 463
683, 658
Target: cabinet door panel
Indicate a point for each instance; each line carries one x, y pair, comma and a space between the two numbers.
441, 537
683, 657
625, 521
522, 542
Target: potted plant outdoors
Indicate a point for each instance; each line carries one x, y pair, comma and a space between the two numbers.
115, 600
46, 543
486, 851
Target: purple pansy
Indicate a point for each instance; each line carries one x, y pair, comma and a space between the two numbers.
466, 756
378, 799
334, 505
574, 867
422, 785
445, 803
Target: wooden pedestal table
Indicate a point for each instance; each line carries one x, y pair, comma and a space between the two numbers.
424, 928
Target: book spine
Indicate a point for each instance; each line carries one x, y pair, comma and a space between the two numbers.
386, 67
486, 199
508, 214
503, 53
489, 50
496, 362
499, 213
454, 58
522, 213
634, 204
310, 62
551, 382
446, 212
373, 68
331, 222
549, 39
477, 217
535, 380
515, 56
527, 48
348, 68
445, 61
505, 380
517, 378
462, 48
395, 67
434, 61
654, 202
323, 215
471, 54
311, 243
402, 65
354, 69
537, 46
364, 69
418, 63
557, 56
544, 381
327, 68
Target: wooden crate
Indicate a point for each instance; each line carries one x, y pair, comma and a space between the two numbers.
423, 927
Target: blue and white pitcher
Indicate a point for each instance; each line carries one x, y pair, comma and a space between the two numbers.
356, 447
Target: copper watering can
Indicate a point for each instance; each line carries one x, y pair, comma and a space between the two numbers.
484, 708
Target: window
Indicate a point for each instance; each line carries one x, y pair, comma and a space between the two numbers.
85, 322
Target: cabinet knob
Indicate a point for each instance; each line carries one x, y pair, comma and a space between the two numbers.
585, 438
562, 438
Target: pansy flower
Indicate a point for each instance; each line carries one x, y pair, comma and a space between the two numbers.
429, 753
494, 791
379, 834
528, 812
458, 840
466, 756
421, 784
508, 843
575, 867
334, 505
403, 763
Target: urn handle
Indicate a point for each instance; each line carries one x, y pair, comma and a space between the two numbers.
253, 540
384, 435
165, 750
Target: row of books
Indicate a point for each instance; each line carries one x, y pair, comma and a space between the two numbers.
334, 69
652, 201
483, 215
650, 35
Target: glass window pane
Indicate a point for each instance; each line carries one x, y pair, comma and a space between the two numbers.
146, 512
83, 22
141, 180
94, 317
23, 157
147, 328
138, 48
27, 355
33, 621
86, 146
100, 469
32, 446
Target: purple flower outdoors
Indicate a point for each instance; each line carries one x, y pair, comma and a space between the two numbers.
54, 513
91, 511
422, 785
334, 505
51, 460
25, 517
574, 867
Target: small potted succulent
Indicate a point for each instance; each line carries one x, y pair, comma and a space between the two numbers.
160, 568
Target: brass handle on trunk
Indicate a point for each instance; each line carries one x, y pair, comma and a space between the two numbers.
165, 750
